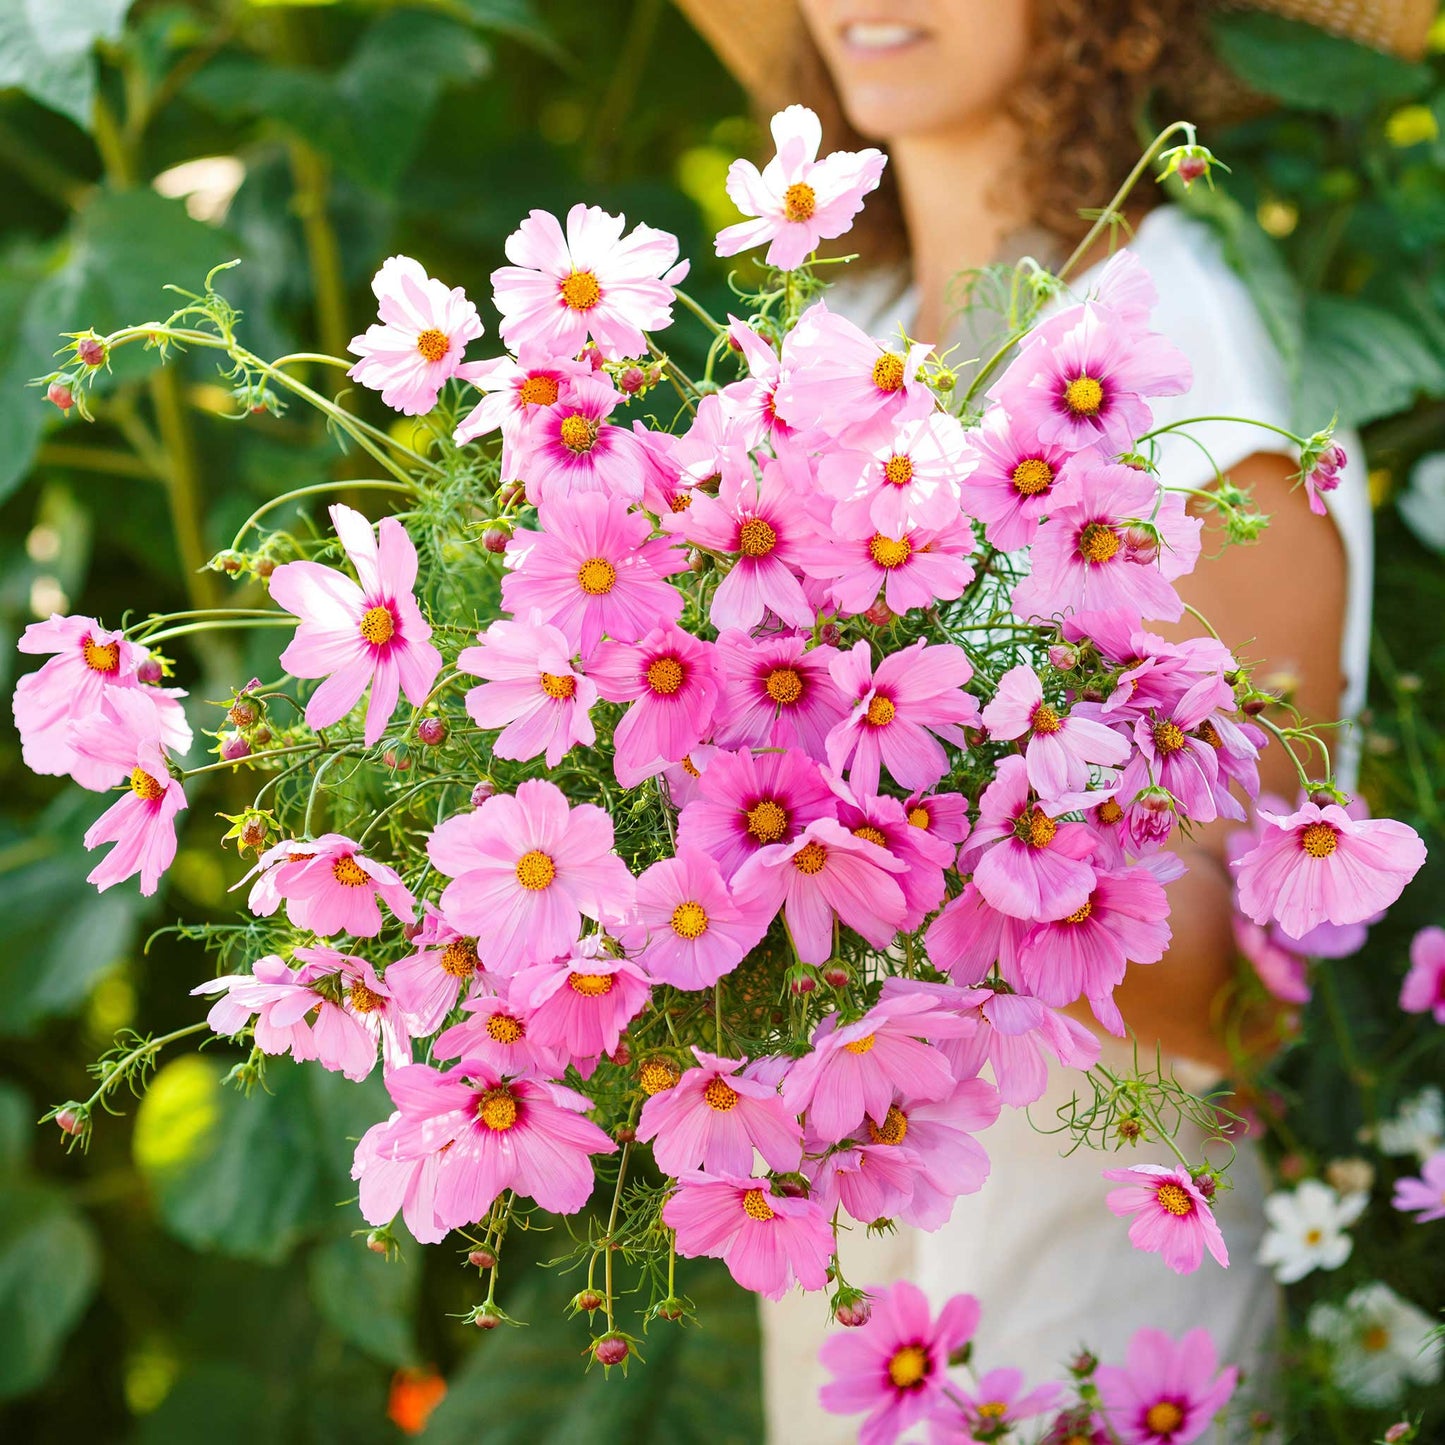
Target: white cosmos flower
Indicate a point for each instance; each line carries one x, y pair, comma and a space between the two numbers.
1419, 1127
1380, 1342
1307, 1229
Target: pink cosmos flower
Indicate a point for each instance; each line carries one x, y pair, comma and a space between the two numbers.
905, 482
948, 1161
592, 282
671, 679
579, 1005
1172, 1217
1014, 480
1324, 476
427, 983
714, 445
389, 1186
495, 1031
368, 633
713, 1119
1283, 971
825, 872
490, 1135
121, 740
89, 663
992, 1409
944, 814
747, 802
1167, 1392
1093, 554
899, 712
907, 569
594, 568
533, 693
970, 936
1180, 748
525, 870
571, 447
883, 820
855, 1069
1061, 746
766, 1240
1423, 990
868, 1181
777, 692
1423, 1197
515, 390
752, 400
418, 345
895, 1368
329, 886
1320, 865
687, 929
797, 200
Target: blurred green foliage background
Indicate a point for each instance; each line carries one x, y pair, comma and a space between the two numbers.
192, 1276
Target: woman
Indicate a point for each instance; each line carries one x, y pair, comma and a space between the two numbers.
1003, 119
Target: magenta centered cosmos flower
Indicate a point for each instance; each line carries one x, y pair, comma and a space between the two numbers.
571, 447
329, 886
1423, 1197
578, 1005
1015, 480
1167, 1392
1423, 990
1172, 1217
778, 692
525, 870
367, 633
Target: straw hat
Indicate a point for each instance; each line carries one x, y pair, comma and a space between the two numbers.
755, 38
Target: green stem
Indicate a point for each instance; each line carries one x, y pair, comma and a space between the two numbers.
312, 178
242, 623
368, 486
1196, 420
250, 758
611, 1227
699, 312
183, 485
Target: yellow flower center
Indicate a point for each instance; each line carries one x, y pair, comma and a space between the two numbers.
1045, 719
1098, 543
1084, 396
1032, 476
720, 1096
539, 391
689, 767
459, 958
597, 576
993, 1410
888, 372
863, 1045
1314, 1236
665, 675
1041, 829
1175, 1199
578, 433
377, 625
1110, 811
590, 985
657, 1076
1319, 840
756, 538
809, 859
1082, 915
559, 687
1375, 1339
504, 1029
784, 686
756, 1206
433, 344
909, 1367
889, 551
1168, 737
348, 872
497, 1109
898, 470
880, 712
1208, 733
362, 999
535, 871
767, 821
919, 818
101, 656
871, 835
145, 787
893, 1129
799, 201
679, 502
580, 291
1164, 1418
689, 920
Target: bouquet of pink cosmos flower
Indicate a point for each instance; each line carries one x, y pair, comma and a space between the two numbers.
714, 785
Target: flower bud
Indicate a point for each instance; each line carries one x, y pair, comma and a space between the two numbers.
1256, 704
1401, 1431
1142, 544
588, 1300
632, 380
835, 974
261, 738
610, 1350
792, 1187
432, 731
624, 1134
482, 1259
1083, 1365
621, 1055
852, 1313
265, 566
669, 1309
1064, 657
880, 614
91, 350
509, 495
486, 1317
495, 539
1206, 1184
59, 394
801, 979
70, 1121
398, 762
696, 561
376, 1241
150, 671
1191, 168
234, 747
830, 633
483, 790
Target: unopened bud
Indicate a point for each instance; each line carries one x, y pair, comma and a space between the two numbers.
432, 731
610, 1350
59, 394
70, 1122
1191, 168
853, 1313
265, 566
1207, 1185
398, 762
880, 614
801, 979
669, 1309
830, 634
234, 747
262, 736
621, 1055
482, 1259
150, 671
486, 1317
1064, 657
696, 562
1322, 797
1142, 544
1402, 1430
835, 974
624, 1134
483, 790
495, 539
510, 494
376, 1242
589, 1301
632, 380
1083, 1365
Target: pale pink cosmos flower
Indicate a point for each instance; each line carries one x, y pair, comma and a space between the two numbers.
1093, 554
388, 1186
578, 1005
418, 345
277, 996
1319, 865
777, 692
823, 874
1013, 480
752, 400
1172, 1216
1061, 745
593, 569
908, 570
495, 1031
992, 1409
768, 1241
945, 814
515, 390
355, 635
687, 929
571, 447
797, 200
593, 282
1423, 1197
869, 1181
533, 692
899, 712
970, 936
430, 980
329, 886
525, 870
671, 679
714, 445
894, 1369
1167, 1392
88, 663
1423, 990
714, 1117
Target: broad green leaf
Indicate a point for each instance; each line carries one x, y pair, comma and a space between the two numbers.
46, 45
366, 1299
24, 411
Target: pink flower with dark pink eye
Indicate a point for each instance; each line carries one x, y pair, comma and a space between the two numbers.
490, 1135
778, 692
329, 886
715, 445
908, 570
992, 1408
768, 1241
671, 679
579, 1005
1167, 1392
428, 982
899, 712
1100, 551
388, 1186
592, 282
515, 391
855, 1069
1319, 865
797, 200
905, 482
687, 929
525, 870
495, 1031
571, 447
418, 345
355, 635
894, 1369
533, 692
1014, 480
746, 802
1172, 1216
713, 1119
1423, 990
879, 819
1178, 748
752, 400
594, 568
88, 664
838, 379
823, 874
1061, 745
1423, 1197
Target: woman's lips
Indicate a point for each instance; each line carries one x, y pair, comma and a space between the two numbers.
880, 37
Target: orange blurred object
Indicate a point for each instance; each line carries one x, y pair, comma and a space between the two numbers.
414, 1395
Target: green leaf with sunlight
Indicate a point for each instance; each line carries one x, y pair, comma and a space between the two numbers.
46, 49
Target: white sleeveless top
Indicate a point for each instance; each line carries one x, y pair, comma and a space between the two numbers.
1052, 1268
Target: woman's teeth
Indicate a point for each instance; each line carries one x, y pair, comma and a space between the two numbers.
880, 35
